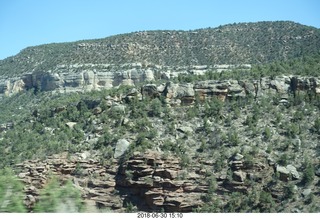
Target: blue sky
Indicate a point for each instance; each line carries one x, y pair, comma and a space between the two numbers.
26, 23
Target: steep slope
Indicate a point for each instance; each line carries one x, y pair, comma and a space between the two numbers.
230, 44
209, 146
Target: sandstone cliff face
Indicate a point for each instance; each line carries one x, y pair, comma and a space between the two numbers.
86, 80
82, 78
87, 77
152, 181
75, 78
86, 175
187, 93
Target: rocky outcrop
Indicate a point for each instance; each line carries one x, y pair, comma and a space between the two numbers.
160, 183
186, 93
147, 180
241, 171
287, 173
121, 147
151, 180
87, 77
95, 181
221, 89
11, 86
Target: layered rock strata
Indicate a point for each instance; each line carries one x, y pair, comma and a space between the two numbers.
151, 181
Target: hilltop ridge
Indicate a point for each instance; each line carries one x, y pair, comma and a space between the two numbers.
251, 43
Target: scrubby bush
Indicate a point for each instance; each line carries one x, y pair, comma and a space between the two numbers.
11, 192
308, 174
59, 198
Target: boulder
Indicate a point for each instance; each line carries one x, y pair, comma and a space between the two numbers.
31, 198
71, 124
288, 172
6, 126
29, 201
183, 203
211, 88
22, 175
280, 84
295, 210
148, 75
149, 90
161, 88
284, 174
293, 171
121, 147
234, 89
97, 110
238, 157
239, 176
132, 94
179, 91
185, 129
306, 192
84, 155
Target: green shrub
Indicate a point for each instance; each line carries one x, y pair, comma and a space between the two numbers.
266, 202
316, 126
11, 192
309, 173
283, 160
213, 108
233, 138
289, 191
155, 107
56, 198
292, 130
267, 134
184, 160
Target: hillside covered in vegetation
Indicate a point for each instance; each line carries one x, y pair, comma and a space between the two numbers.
241, 43
236, 140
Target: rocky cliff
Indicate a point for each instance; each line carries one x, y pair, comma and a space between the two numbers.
87, 77
152, 181
187, 93
68, 79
